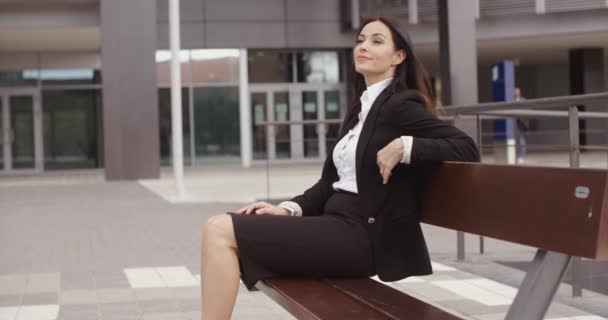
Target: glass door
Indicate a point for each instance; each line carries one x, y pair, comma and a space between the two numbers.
282, 133
331, 111
310, 111
21, 131
4, 138
259, 103
277, 103
270, 104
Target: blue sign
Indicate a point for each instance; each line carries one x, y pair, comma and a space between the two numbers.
503, 89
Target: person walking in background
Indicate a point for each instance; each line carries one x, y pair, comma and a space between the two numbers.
362, 217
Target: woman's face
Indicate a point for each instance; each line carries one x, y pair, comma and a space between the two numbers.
375, 55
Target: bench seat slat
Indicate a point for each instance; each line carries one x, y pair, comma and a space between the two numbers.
348, 298
390, 300
314, 299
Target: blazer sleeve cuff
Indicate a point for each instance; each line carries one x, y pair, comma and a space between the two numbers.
292, 206
407, 148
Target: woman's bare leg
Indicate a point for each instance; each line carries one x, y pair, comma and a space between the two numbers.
219, 268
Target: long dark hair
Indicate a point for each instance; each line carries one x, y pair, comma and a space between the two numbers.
410, 74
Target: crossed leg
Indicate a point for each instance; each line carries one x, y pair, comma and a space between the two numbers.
219, 268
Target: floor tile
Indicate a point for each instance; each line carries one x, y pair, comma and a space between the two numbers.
115, 295
38, 312
13, 284
177, 276
8, 312
472, 292
43, 282
7, 300
144, 278
73, 297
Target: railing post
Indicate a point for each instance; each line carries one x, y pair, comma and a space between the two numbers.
460, 247
479, 146
573, 118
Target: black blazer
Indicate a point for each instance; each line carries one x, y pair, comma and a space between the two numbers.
397, 240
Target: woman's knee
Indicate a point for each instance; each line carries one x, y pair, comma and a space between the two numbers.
218, 230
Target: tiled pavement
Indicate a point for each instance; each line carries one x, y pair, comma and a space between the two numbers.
79, 248
105, 251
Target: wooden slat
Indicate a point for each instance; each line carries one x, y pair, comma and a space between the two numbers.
391, 301
315, 299
535, 206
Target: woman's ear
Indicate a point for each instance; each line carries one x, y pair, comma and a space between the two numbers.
399, 57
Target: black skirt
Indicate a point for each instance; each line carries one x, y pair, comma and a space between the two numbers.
334, 244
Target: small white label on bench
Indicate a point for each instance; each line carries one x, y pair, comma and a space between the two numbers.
581, 192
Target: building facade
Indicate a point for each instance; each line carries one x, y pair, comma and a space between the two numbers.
85, 83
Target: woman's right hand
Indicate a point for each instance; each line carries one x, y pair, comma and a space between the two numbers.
262, 207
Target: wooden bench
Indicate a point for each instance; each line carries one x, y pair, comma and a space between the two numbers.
561, 211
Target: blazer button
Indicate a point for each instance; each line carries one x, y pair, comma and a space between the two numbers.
371, 220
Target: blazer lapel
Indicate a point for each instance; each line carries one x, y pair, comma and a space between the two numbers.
368, 128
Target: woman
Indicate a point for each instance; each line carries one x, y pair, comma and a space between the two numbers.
361, 218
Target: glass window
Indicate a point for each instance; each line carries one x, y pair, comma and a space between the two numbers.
72, 129
270, 66
18, 78
66, 76
22, 131
319, 67
163, 67
165, 126
217, 134
215, 66
1, 135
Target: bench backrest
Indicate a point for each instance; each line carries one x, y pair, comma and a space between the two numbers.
556, 209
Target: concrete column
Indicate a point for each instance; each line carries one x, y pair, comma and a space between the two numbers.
587, 70
130, 102
458, 67
458, 57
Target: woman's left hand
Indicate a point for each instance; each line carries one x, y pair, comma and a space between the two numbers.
389, 157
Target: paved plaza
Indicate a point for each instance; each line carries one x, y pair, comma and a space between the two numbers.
75, 247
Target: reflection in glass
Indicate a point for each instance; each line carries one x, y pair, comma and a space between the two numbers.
163, 66
72, 129
319, 67
68, 76
258, 114
1, 135
332, 111
22, 131
281, 113
217, 125
309, 112
17, 78
165, 126
270, 66
215, 66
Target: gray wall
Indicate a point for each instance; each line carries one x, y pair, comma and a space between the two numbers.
256, 24
130, 102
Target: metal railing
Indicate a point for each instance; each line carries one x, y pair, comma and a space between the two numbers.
519, 109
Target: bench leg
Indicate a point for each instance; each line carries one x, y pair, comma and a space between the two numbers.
538, 288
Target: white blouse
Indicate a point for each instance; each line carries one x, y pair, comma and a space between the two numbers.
346, 149
344, 154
